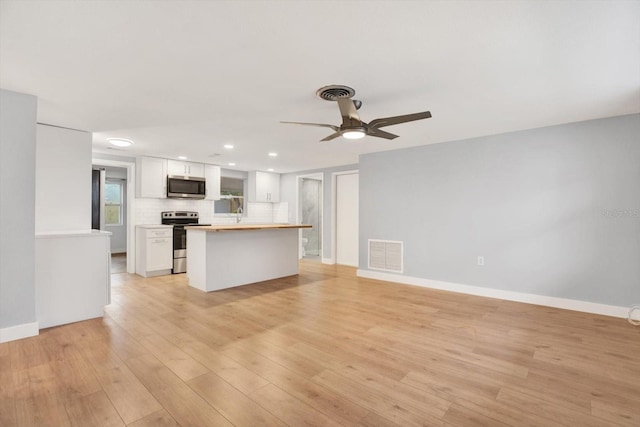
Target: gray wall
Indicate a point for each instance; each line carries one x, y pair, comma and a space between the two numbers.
288, 194
119, 232
554, 211
17, 208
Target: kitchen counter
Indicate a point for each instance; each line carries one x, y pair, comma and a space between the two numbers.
71, 233
247, 227
154, 226
219, 259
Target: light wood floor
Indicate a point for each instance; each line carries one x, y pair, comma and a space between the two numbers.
322, 349
118, 263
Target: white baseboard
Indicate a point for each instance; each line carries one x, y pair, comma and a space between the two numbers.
328, 261
567, 304
17, 332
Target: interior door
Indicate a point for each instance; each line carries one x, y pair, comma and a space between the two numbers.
310, 197
347, 219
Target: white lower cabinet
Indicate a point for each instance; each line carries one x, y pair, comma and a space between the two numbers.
157, 250
154, 250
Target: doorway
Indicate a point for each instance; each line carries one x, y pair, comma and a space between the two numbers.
115, 210
346, 218
310, 206
109, 210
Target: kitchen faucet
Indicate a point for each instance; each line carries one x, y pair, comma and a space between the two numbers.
238, 214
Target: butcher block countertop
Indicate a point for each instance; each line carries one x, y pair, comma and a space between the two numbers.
246, 227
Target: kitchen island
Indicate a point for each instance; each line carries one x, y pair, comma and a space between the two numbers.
224, 256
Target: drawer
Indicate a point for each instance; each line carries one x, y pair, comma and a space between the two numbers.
159, 232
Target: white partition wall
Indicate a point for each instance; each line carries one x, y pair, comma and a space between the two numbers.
72, 263
63, 179
72, 276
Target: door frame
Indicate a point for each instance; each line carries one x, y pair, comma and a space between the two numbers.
334, 210
320, 177
131, 187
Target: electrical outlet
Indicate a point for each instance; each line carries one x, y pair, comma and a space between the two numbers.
480, 260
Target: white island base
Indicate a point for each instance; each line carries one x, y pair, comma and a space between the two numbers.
224, 257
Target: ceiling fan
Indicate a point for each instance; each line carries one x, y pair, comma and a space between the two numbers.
352, 127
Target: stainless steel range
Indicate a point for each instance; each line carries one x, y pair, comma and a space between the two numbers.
180, 219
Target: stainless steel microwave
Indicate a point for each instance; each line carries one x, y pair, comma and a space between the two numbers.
186, 187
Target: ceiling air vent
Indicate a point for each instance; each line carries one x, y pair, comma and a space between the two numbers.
386, 255
333, 92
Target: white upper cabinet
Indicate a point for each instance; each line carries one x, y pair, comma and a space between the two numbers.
185, 168
212, 176
264, 187
151, 177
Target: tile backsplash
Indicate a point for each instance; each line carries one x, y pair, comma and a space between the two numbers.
148, 211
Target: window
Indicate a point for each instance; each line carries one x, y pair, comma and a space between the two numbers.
113, 202
231, 196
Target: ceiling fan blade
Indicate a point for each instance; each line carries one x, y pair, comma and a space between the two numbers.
323, 125
388, 121
380, 133
349, 112
332, 136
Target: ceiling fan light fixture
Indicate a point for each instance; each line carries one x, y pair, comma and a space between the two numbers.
354, 134
352, 126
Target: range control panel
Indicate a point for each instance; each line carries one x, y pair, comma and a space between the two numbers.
180, 214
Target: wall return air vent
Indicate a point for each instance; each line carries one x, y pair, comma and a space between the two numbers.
386, 255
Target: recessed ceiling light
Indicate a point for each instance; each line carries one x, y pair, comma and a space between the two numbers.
228, 146
120, 142
353, 134
182, 157
231, 164
272, 154
270, 169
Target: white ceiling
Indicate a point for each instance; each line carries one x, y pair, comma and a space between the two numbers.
186, 77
